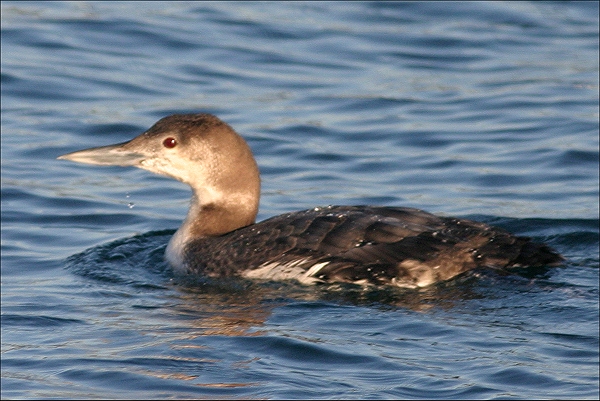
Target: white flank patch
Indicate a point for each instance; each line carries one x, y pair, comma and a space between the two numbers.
422, 274
294, 270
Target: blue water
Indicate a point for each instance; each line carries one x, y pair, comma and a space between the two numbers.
480, 110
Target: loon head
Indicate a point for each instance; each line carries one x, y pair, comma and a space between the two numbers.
201, 151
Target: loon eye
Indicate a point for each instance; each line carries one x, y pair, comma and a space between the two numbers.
170, 142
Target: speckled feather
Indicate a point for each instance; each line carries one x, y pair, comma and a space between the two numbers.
360, 244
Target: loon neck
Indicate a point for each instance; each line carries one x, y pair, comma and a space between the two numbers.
208, 218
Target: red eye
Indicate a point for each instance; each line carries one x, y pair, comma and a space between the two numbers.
170, 142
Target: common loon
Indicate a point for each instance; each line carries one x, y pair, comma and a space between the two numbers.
397, 246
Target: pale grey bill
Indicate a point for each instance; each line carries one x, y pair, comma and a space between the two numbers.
111, 155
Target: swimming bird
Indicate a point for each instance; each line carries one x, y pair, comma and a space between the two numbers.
397, 246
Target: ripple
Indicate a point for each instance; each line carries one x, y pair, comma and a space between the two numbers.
481, 109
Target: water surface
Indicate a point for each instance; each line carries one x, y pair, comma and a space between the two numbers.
479, 110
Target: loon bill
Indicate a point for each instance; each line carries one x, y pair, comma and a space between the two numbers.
397, 246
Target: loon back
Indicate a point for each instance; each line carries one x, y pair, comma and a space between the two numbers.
359, 244
404, 247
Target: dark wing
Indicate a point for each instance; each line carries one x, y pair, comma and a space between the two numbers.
378, 245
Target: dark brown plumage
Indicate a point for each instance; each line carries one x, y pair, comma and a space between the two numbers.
361, 244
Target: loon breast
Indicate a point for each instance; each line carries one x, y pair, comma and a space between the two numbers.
397, 246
